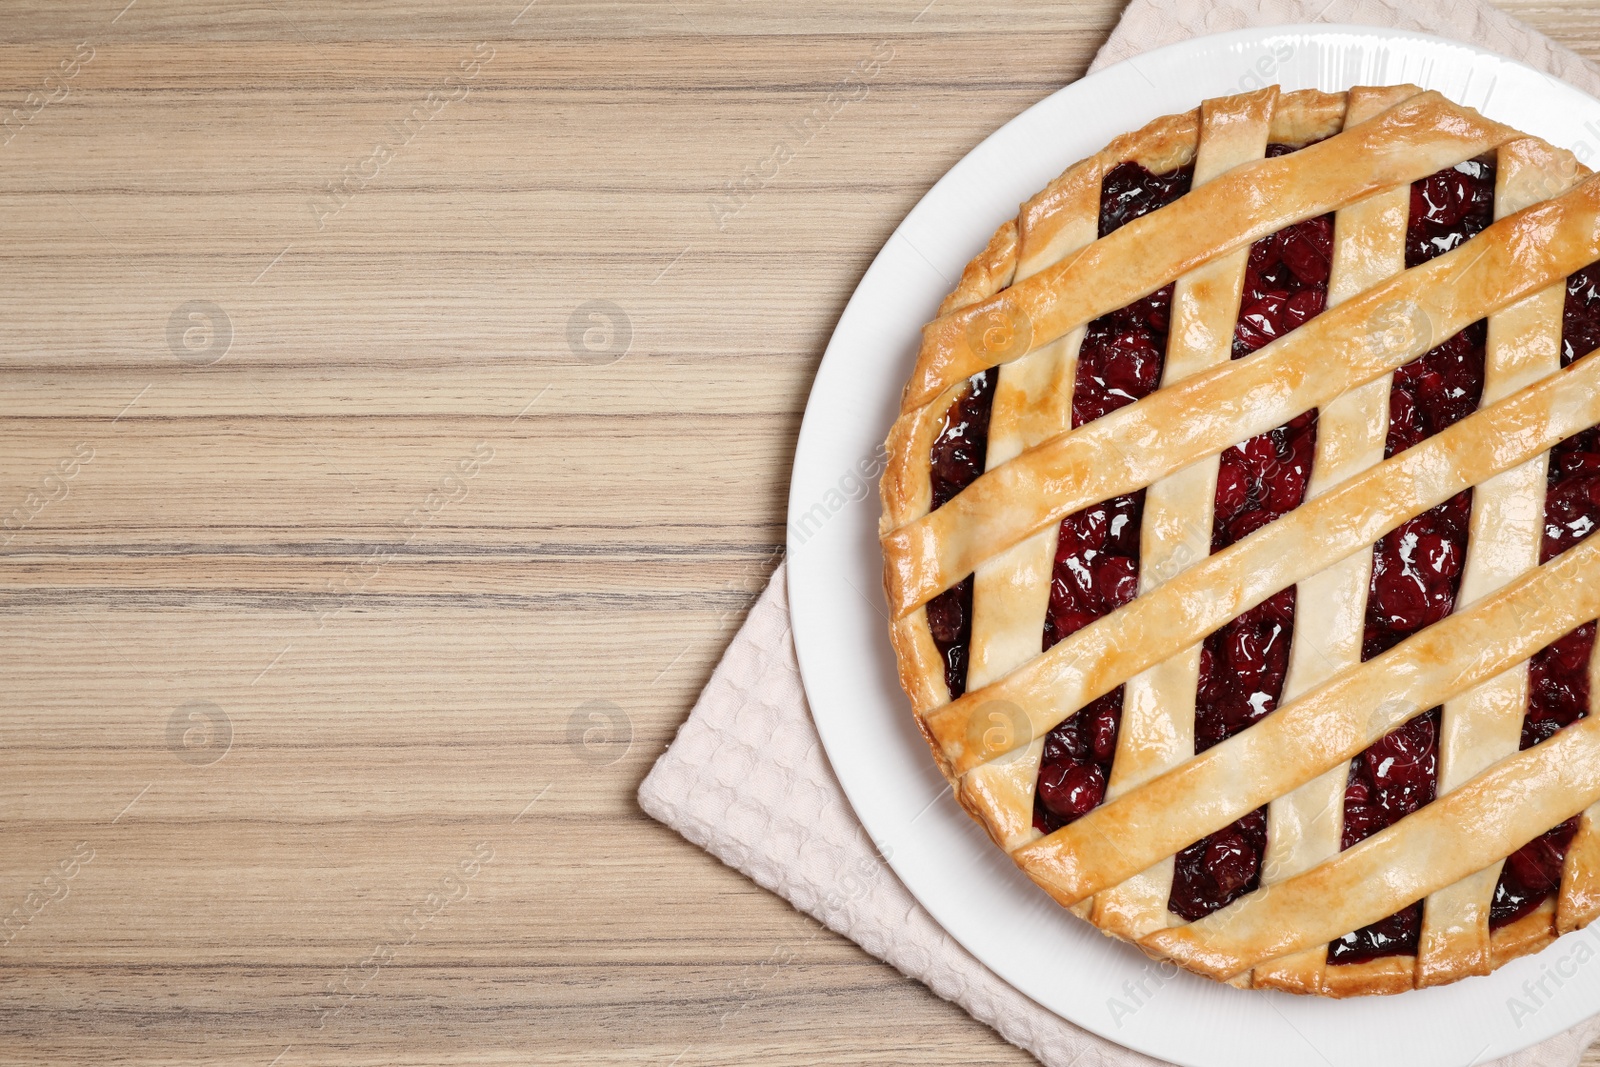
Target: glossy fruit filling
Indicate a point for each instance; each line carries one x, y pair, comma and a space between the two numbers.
1449, 209
1558, 686
1558, 696
1076, 763
1129, 191
1393, 778
1096, 572
959, 451
1558, 675
1416, 571
1096, 566
1244, 663
1580, 319
1531, 875
958, 456
1416, 568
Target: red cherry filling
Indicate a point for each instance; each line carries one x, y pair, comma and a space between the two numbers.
1580, 321
1129, 191
1416, 568
1096, 571
1262, 479
1448, 209
959, 451
1531, 874
1243, 664
1388, 781
1572, 501
1558, 675
1392, 778
1436, 390
1097, 549
1076, 764
957, 458
1558, 685
1242, 668
1121, 357
950, 619
1396, 935
1416, 571
1219, 869
1285, 284
1097, 565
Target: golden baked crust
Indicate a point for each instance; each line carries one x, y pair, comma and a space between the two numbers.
1022, 304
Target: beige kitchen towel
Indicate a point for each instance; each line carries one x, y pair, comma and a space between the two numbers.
746, 778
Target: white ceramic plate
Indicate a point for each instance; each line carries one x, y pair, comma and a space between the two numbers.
841, 632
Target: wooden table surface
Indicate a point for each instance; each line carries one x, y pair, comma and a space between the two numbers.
398, 403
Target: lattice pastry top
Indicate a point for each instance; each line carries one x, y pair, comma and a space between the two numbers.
1233, 536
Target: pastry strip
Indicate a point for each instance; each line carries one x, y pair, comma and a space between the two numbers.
1578, 901
1314, 536
1157, 726
1344, 347
1484, 820
1409, 141
906, 490
1164, 145
990, 271
1528, 934
1484, 725
1303, 827
1032, 403
1306, 737
1011, 592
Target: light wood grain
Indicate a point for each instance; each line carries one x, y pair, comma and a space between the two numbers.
394, 659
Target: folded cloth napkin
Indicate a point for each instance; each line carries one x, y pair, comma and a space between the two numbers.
746, 778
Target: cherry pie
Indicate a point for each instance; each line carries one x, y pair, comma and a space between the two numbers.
1234, 535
